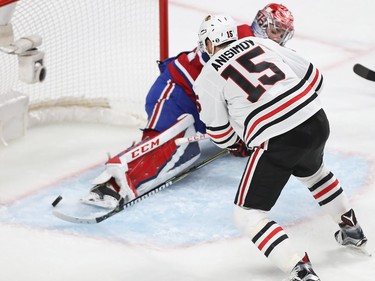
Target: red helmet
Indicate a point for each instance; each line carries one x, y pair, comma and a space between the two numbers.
274, 19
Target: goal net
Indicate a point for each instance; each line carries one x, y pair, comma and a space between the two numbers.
100, 58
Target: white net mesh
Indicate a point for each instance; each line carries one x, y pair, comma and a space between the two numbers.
98, 53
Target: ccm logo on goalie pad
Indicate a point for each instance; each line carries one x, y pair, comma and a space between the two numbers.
142, 149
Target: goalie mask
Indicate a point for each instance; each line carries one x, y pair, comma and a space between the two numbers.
219, 29
275, 22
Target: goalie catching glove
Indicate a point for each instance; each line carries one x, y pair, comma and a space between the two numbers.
239, 149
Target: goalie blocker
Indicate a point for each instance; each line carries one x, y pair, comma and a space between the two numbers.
143, 166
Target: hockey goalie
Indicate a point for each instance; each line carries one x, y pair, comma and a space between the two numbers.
143, 166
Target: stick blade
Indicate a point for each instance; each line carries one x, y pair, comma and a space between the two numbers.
364, 72
74, 219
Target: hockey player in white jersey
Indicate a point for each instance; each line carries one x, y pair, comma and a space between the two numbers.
263, 100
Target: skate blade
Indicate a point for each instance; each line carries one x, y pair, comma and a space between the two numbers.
361, 251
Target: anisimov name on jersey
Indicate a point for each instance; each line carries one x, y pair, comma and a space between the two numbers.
240, 47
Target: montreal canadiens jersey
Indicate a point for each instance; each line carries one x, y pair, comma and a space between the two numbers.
186, 67
256, 89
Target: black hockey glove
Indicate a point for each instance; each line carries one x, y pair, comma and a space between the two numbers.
239, 149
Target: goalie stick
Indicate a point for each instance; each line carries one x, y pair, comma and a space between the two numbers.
191, 139
364, 72
123, 206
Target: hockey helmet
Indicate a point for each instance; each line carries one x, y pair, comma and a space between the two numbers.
275, 22
219, 29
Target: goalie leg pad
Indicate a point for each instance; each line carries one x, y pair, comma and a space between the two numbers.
118, 171
154, 166
163, 163
112, 186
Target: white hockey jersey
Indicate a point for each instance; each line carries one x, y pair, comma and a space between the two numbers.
256, 89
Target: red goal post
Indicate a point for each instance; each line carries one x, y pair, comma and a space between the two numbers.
100, 58
163, 24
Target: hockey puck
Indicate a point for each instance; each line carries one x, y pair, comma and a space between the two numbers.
57, 201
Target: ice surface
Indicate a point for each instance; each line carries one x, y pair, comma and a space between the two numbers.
185, 232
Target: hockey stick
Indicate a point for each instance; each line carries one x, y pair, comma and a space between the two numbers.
195, 138
364, 72
123, 206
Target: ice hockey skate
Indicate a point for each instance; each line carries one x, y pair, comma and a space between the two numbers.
103, 195
111, 187
351, 234
303, 271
